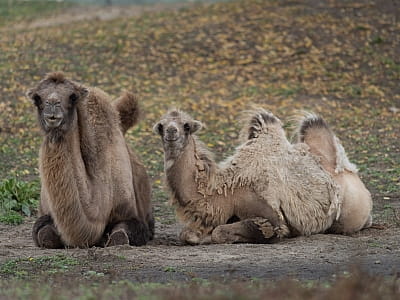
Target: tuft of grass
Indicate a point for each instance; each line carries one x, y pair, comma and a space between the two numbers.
23, 267
170, 269
17, 199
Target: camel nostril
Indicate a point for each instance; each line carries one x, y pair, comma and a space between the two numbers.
171, 134
172, 130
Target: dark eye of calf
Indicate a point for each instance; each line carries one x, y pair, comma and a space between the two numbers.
73, 97
186, 127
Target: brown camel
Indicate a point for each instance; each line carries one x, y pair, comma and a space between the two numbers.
95, 191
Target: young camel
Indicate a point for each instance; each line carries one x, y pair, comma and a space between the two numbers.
272, 188
95, 191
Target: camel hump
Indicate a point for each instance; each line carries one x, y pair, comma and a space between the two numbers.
323, 143
128, 109
258, 121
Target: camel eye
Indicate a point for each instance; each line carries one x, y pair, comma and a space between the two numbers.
37, 99
160, 129
73, 97
186, 127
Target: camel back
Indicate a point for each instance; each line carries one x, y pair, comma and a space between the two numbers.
279, 171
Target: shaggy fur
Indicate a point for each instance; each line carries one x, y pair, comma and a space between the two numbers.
356, 199
90, 177
267, 179
128, 109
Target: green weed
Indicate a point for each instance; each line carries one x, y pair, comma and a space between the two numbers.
170, 269
23, 267
17, 199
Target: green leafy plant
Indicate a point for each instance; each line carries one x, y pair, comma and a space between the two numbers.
17, 199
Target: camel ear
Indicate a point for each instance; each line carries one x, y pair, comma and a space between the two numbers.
84, 92
195, 126
34, 97
29, 94
80, 93
80, 90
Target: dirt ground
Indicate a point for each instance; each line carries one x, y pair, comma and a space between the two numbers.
319, 257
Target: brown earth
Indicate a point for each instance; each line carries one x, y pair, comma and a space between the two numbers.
165, 259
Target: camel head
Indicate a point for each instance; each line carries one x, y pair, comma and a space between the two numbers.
175, 129
55, 98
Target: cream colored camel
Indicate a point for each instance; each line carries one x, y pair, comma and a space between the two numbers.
272, 188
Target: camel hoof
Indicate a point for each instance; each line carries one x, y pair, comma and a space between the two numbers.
119, 237
48, 238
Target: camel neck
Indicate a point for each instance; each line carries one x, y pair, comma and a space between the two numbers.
69, 189
181, 173
64, 157
188, 179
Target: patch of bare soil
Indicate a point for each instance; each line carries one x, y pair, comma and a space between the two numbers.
165, 259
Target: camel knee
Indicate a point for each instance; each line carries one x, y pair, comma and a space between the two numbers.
133, 232
190, 237
48, 237
137, 231
118, 237
45, 235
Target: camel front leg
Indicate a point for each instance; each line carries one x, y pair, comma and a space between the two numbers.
255, 230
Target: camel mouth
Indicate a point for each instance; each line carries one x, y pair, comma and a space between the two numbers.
171, 140
53, 122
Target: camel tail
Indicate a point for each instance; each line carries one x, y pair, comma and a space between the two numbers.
258, 121
128, 109
323, 143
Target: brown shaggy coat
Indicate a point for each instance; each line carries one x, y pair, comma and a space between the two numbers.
90, 176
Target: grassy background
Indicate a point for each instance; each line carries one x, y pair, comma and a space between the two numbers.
12, 11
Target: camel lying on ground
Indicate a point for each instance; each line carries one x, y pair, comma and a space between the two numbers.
95, 190
268, 189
